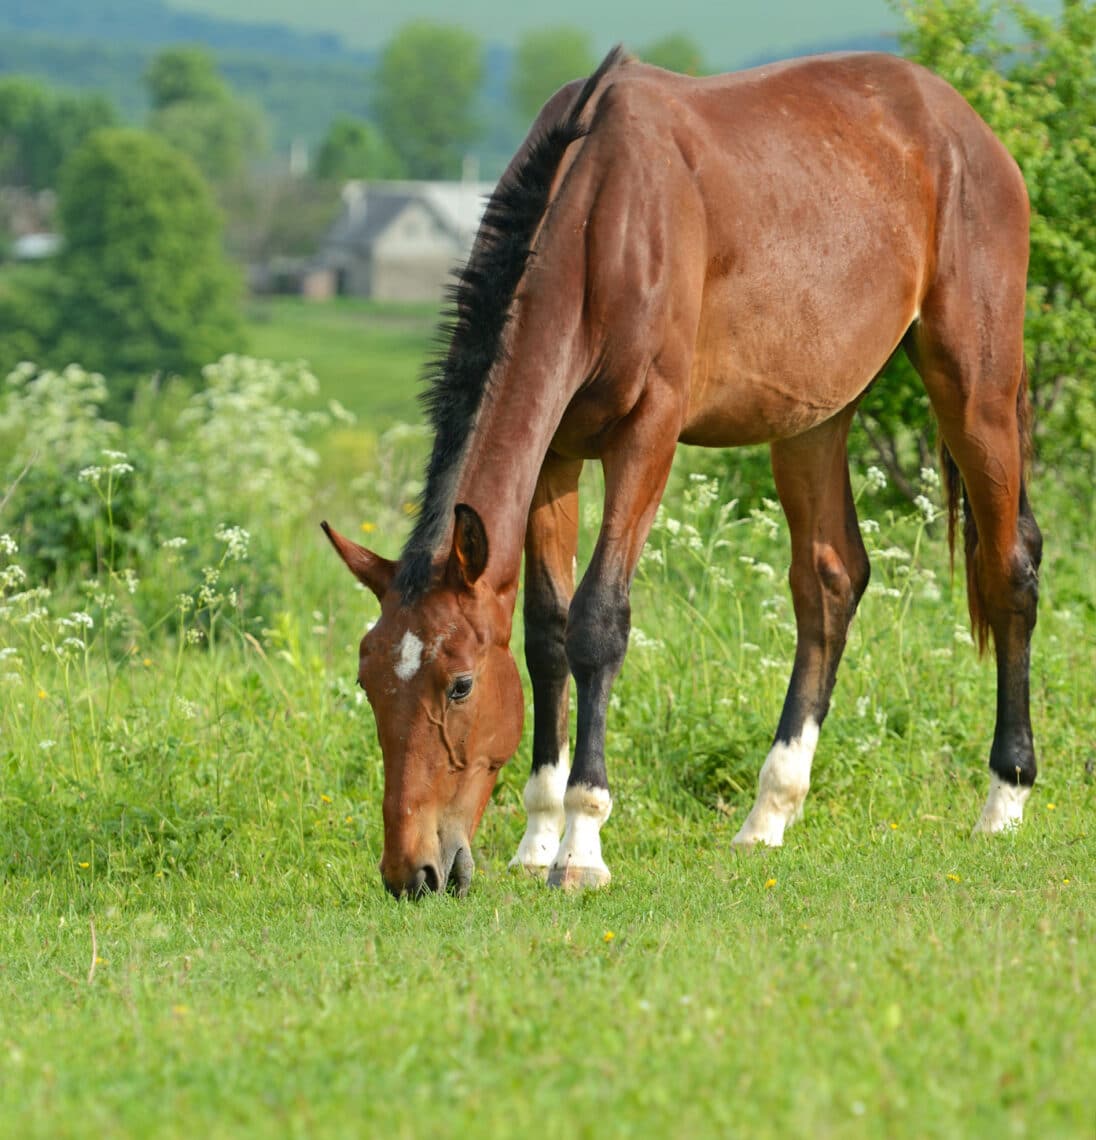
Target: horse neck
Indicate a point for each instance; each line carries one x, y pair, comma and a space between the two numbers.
513, 433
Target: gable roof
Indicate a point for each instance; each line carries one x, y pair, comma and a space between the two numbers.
371, 207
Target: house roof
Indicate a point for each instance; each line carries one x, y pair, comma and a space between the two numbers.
370, 207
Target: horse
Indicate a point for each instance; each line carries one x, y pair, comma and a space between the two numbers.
717, 261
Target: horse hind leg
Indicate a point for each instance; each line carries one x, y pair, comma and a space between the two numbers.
550, 547
970, 356
829, 573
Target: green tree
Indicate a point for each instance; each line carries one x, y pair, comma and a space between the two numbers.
355, 149
1039, 96
198, 113
184, 75
544, 61
675, 53
426, 86
39, 127
143, 285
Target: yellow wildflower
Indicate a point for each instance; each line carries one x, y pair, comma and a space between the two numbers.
955, 878
608, 936
769, 884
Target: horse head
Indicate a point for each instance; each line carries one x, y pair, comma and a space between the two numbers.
447, 700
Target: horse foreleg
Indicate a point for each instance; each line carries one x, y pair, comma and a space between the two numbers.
636, 466
550, 546
829, 573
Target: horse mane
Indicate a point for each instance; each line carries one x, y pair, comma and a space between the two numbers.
470, 336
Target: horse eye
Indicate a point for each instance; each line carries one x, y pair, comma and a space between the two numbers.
460, 688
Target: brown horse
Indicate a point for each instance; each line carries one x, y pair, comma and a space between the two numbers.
716, 261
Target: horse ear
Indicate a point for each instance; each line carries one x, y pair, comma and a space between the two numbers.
468, 559
370, 569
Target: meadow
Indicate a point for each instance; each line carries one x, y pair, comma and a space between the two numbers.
197, 939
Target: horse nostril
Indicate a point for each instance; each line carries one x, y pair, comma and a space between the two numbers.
424, 881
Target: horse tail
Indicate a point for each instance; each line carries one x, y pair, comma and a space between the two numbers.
955, 490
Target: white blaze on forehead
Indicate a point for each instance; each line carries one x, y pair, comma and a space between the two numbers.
408, 656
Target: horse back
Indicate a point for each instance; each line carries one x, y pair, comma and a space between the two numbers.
761, 241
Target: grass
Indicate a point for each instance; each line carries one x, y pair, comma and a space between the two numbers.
901, 983
370, 355
196, 935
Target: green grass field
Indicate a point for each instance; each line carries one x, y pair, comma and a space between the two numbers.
196, 937
369, 356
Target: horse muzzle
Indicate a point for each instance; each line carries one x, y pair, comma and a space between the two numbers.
450, 870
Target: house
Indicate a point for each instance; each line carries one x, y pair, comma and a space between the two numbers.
399, 241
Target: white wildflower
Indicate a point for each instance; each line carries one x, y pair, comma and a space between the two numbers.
927, 508
641, 641
186, 708
875, 480
236, 538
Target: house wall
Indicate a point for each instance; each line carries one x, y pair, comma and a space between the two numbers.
399, 278
412, 259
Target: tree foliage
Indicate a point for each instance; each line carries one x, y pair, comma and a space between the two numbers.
356, 149
40, 126
198, 113
426, 87
677, 53
1033, 79
184, 75
142, 285
544, 61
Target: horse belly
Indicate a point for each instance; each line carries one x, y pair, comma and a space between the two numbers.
773, 365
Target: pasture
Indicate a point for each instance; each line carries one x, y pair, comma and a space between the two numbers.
196, 938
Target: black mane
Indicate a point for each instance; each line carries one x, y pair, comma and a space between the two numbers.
471, 335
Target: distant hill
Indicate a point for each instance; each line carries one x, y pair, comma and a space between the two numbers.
301, 79
153, 23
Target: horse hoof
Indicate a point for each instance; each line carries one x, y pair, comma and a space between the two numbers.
1004, 808
572, 878
746, 841
531, 870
